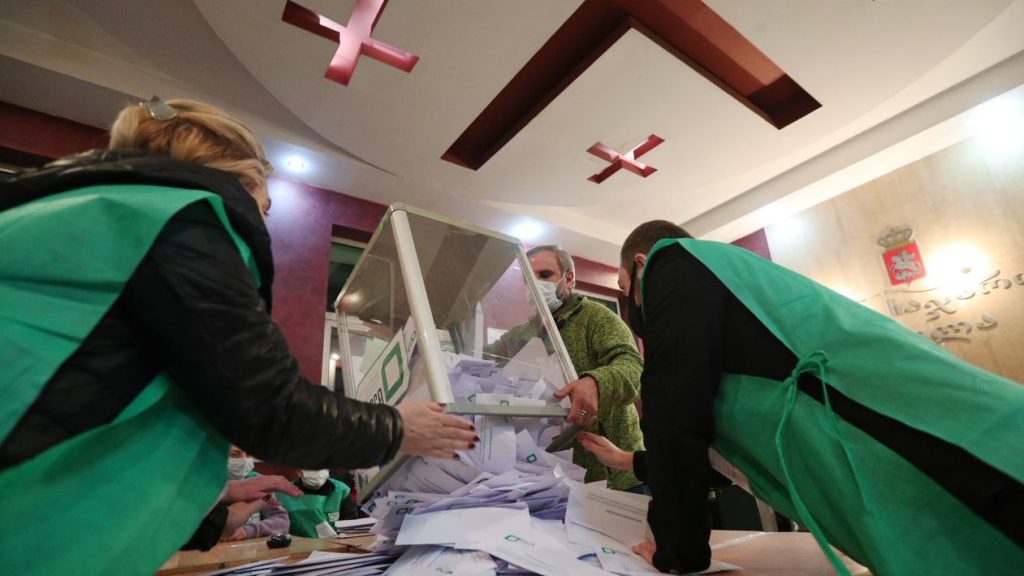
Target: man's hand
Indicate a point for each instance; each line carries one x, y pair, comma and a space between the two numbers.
606, 451
584, 396
258, 488
646, 550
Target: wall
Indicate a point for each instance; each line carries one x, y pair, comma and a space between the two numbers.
302, 220
966, 205
29, 138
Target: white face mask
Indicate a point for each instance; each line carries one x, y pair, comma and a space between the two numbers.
549, 291
314, 479
238, 468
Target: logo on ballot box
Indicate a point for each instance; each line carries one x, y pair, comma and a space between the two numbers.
386, 381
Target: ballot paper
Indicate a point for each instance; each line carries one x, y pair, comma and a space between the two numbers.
418, 560
620, 515
525, 550
496, 450
461, 526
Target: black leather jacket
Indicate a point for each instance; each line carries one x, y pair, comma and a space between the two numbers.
191, 309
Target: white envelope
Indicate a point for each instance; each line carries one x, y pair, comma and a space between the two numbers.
461, 525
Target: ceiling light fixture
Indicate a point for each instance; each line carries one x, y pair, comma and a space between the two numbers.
527, 231
295, 164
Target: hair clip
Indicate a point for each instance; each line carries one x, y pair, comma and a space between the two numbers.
158, 109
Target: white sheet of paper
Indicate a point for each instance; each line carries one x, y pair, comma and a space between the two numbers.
461, 525
524, 550
431, 477
419, 560
527, 450
621, 515
496, 451
552, 532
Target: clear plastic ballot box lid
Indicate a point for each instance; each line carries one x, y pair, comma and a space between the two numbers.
442, 310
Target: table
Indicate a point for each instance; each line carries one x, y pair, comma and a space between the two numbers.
227, 554
757, 553
775, 554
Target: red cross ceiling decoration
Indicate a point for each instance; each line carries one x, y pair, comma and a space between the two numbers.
688, 29
627, 160
353, 39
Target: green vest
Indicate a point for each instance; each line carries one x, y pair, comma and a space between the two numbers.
309, 510
846, 487
129, 493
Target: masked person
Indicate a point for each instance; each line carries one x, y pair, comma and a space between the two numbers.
604, 355
271, 519
882, 444
136, 342
314, 513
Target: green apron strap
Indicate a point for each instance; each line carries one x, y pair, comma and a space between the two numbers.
814, 363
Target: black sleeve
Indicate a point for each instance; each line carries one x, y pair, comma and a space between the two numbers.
683, 350
197, 302
210, 529
640, 465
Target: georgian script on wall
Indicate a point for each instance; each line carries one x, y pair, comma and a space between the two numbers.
944, 325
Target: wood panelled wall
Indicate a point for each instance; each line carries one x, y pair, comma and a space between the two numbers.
966, 205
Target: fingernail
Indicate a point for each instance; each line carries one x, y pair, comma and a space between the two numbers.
476, 438
472, 446
266, 498
456, 457
473, 428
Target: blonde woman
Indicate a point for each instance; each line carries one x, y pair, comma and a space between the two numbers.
136, 343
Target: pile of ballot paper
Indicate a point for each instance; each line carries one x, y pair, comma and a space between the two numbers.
506, 507
317, 564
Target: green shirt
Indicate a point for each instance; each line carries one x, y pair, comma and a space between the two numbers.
602, 347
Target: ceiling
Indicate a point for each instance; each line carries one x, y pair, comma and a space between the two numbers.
895, 81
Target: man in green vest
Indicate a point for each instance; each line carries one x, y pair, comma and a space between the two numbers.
884, 445
604, 356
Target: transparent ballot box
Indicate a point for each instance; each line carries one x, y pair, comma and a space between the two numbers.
445, 311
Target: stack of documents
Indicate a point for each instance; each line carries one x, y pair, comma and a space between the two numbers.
357, 527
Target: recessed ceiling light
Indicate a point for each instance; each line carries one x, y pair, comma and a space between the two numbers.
527, 231
295, 164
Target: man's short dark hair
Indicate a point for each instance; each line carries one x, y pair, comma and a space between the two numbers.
646, 235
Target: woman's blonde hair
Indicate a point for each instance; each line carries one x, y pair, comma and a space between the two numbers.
197, 133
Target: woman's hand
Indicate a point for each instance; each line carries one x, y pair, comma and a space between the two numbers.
432, 433
607, 452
